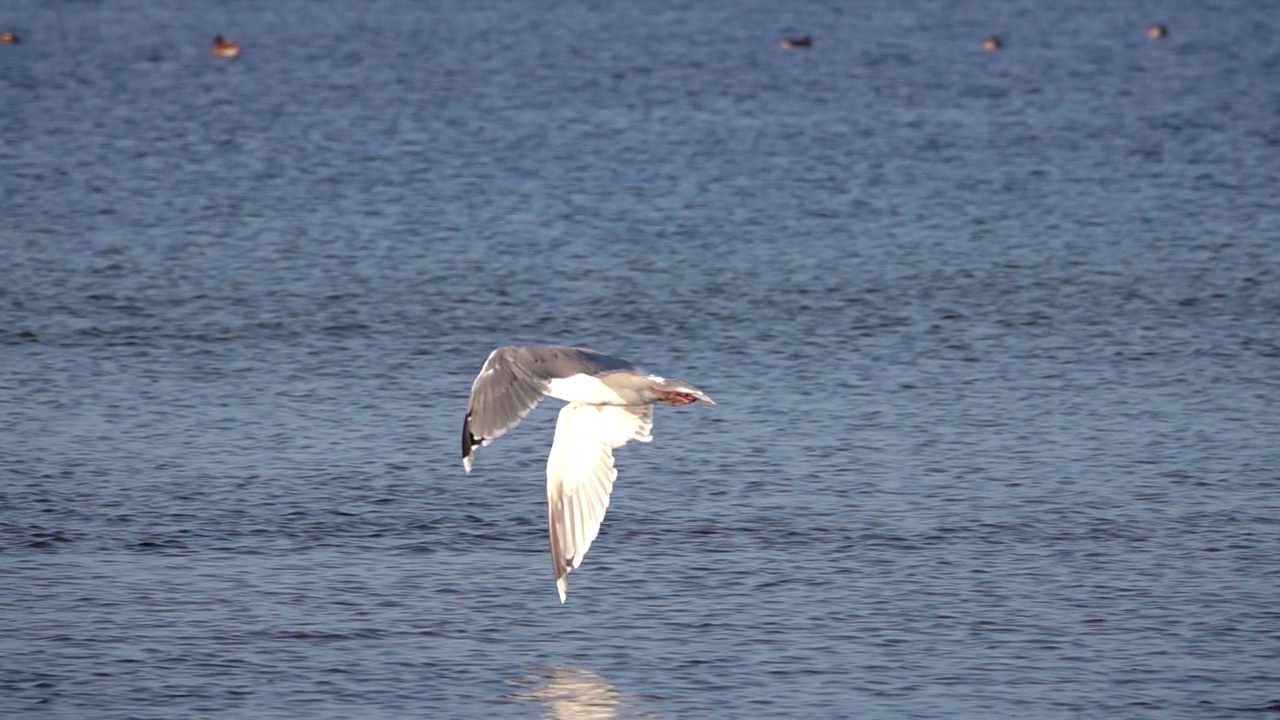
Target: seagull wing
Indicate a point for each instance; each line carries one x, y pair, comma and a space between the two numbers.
502, 395
580, 476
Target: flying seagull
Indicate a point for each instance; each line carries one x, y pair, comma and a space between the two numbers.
610, 404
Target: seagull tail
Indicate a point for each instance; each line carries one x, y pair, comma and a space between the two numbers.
562, 585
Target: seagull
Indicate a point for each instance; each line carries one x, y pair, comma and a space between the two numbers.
610, 404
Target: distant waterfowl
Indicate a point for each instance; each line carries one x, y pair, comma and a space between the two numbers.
991, 43
9, 37
610, 404
224, 47
803, 41
1158, 32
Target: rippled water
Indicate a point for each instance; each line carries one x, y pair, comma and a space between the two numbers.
995, 339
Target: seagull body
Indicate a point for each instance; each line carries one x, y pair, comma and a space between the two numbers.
610, 403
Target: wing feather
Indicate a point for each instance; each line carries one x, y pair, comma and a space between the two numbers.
502, 395
580, 476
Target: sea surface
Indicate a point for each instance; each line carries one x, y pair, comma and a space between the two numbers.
994, 337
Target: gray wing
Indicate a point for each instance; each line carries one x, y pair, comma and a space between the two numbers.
512, 381
580, 476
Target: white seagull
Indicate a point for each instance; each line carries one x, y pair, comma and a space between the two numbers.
610, 404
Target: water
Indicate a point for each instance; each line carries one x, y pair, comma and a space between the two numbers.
995, 339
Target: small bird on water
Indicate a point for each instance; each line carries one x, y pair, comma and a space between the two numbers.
610, 404
804, 41
224, 47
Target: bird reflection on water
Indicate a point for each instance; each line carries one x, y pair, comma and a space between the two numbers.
576, 694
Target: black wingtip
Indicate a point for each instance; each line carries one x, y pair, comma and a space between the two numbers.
469, 442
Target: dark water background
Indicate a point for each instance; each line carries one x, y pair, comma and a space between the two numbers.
995, 338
